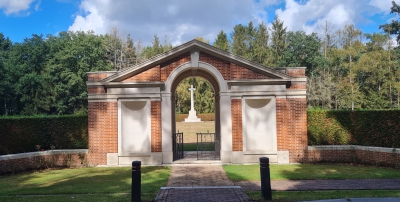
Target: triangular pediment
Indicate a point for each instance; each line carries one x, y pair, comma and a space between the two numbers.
185, 50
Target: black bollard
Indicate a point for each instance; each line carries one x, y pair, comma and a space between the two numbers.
136, 181
265, 179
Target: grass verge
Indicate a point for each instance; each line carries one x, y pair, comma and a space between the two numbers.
320, 195
95, 183
310, 172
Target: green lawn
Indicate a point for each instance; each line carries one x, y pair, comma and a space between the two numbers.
84, 184
309, 171
314, 171
114, 184
320, 195
193, 147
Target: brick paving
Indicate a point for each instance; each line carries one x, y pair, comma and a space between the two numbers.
201, 194
199, 175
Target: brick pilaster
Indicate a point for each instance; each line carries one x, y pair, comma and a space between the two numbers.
103, 131
237, 131
291, 121
156, 126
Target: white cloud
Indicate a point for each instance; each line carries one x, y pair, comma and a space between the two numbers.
383, 5
311, 15
184, 20
180, 20
14, 6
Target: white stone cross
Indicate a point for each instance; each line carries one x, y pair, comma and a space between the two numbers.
191, 97
192, 114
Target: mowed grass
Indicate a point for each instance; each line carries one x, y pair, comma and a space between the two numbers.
320, 195
193, 147
83, 184
309, 172
190, 129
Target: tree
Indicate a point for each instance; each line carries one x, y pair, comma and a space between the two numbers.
394, 27
302, 50
120, 50
278, 34
72, 55
5, 84
222, 41
203, 96
350, 41
199, 38
26, 62
260, 46
156, 47
238, 36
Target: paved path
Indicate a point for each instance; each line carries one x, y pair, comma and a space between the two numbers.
199, 175
200, 183
210, 183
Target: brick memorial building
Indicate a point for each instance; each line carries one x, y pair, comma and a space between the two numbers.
259, 111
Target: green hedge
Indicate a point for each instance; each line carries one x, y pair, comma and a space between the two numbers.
379, 128
22, 134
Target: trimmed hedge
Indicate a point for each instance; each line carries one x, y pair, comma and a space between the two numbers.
21, 134
380, 128
203, 117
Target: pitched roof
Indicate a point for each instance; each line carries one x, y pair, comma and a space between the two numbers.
202, 47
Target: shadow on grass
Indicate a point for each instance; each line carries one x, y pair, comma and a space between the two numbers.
310, 172
84, 181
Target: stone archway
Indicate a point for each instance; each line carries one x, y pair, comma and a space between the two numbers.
201, 69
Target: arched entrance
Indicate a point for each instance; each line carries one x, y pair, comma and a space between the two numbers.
206, 71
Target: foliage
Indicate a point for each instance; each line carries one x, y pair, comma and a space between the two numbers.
278, 34
222, 41
203, 96
367, 127
47, 76
394, 27
22, 133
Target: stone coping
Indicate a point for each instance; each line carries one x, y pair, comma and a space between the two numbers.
42, 153
354, 147
260, 152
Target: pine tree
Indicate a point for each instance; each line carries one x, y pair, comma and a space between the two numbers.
222, 41
278, 33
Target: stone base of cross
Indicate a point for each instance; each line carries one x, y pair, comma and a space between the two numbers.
192, 117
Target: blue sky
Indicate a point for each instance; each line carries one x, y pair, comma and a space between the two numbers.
181, 20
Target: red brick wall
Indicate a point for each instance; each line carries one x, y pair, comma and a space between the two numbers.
156, 138
170, 65
354, 156
296, 72
296, 86
221, 65
12, 166
103, 131
96, 90
96, 77
291, 121
237, 139
238, 72
152, 74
